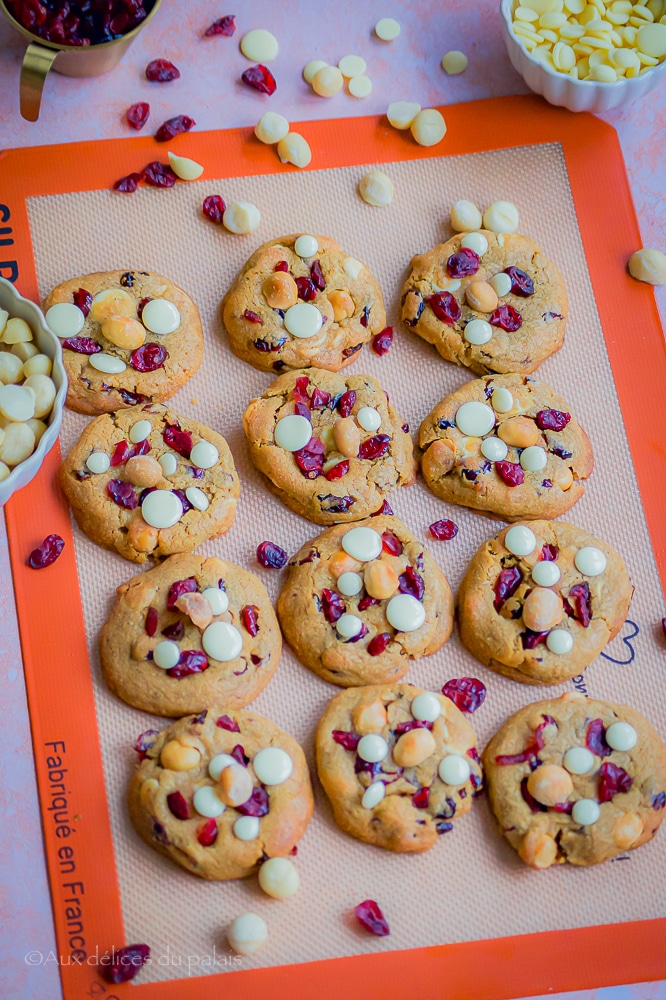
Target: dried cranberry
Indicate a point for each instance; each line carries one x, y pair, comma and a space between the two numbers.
174, 126
83, 299
178, 588
367, 602
332, 605
659, 801
306, 289
226, 722
382, 341
529, 798
595, 738
510, 473
443, 530
391, 544
552, 420
47, 553
282, 265
347, 402
310, 459
159, 174
539, 738
371, 917
129, 184
256, 805
378, 644
385, 510
338, 471
528, 754
271, 556
82, 345
178, 805
507, 318
374, 447
152, 618
347, 740
143, 742
125, 963
466, 693
148, 358
349, 351
613, 779
317, 275
411, 583
161, 71
319, 399
462, 263
131, 398
300, 390
302, 410
138, 114
265, 346
252, 317
578, 604
445, 307
179, 440
239, 755
207, 833
331, 504
223, 26
407, 727
191, 662
121, 453
421, 798
521, 283
122, 494
214, 207
260, 78
530, 639
175, 631
249, 619
549, 553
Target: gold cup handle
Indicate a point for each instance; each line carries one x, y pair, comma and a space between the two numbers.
37, 61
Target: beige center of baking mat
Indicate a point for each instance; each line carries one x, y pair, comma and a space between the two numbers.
471, 885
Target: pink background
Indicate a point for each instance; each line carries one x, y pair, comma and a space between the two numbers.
209, 91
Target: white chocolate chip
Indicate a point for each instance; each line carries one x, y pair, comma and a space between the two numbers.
218, 763
273, 766
327, 81
476, 242
348, 626
502, 283
350, 584
169, 463
351, 66
352, 267
183, 167
160, 316
162, 509
586, 812
16, 403
372, 748
247, 933
578, 760
166, 654
454, 770
293, 432
240, 217
465, 216
65, 319
204, 455
247, 828
98, 462
533, 458
303, 320
520, 540
405, 613
494, 449
621, 736
278, 878
501, 217
590, 561
217, 598
546, 573
478, 331
17, 331
429, 127
206, 802
559, 641
475, 419
376, 188
140, 431
259, 46
648, 265
107, 363
222, 641
271, 128
454, 62
364, 544
426, 707
369, 419
387, 29
373, 795
294, 149
311, 68
306, 246
360, 87
501, 399
197, 498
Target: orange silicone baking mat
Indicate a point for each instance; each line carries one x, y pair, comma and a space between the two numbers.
463, 916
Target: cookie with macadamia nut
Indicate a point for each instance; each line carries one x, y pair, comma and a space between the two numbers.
398, 764
491, 302
149, 483
301, 301
576, 780
541, 600
507, 445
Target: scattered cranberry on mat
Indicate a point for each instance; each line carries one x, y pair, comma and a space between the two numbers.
161, 71
271, 555
138, 114
173, 127
371, 917
129, 184
443, 530
223, 26
214, 207
47, 553
125, 963
382, 341
260, 78
466, 693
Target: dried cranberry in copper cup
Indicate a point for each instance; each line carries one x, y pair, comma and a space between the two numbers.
70, 59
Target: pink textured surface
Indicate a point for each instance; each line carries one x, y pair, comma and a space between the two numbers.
209, 91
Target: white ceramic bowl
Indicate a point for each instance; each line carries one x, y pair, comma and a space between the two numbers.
47, 343
562, 89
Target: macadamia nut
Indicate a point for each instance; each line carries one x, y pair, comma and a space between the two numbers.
376, 188
279, 878
648, 265
501, 217
247, 933
465, 216
294, 149
241, 217
271, 127
429, 127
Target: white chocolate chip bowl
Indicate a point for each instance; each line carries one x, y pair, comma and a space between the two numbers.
47, 344
559, 87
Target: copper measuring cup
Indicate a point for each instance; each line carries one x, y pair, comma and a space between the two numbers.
70, 60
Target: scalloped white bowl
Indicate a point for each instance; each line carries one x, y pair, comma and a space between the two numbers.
562, 90
48, 343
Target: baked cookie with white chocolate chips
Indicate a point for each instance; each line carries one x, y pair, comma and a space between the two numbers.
492, 302
506, 445
127, 337
301, 301
360, 603
190, 632
541, 600
331, 446
576, 780
220, 792
149, 483
398, 764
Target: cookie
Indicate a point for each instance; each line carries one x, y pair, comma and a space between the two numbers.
506, 445
331, 446
491, 302
398, 764
541, 600
127, 337
148, 482
221, 792
360, 603
301, 301
576, 780
191, 632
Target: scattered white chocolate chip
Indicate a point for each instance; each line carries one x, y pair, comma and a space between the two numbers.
271, 128
352, 267
294, 149
217, 598
206, 802
376, 188
476, 242
273, 766
247, 828
369, 418
426, 707
465, 216
501, 217
166, 654
454, 770
559, 641
247, 933
454, 62
140, 431
327, 81
502, 283
360, 87
240, 217
311, 68
429, 127
109, 364
162, 509
98, 462
501, 399
477, 332
64, 319
351, 66
222, 641
372, 748
401, 114
17, 403
348, 626
578, 760
546, 573
183, 167
17, 331
533, 458
217, 764
278, 878
494, 449
350, 584
520, 540
648, 265
160, 316
362, 543
405, 613
306, 246
197, 498
475, 419
590, 561
169, 463
303, 320
387, 29
204, 455
621, 736
373, 795
293, 432
586, 812
259, 46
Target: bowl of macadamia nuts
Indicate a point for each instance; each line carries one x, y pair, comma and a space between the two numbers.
33, 386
